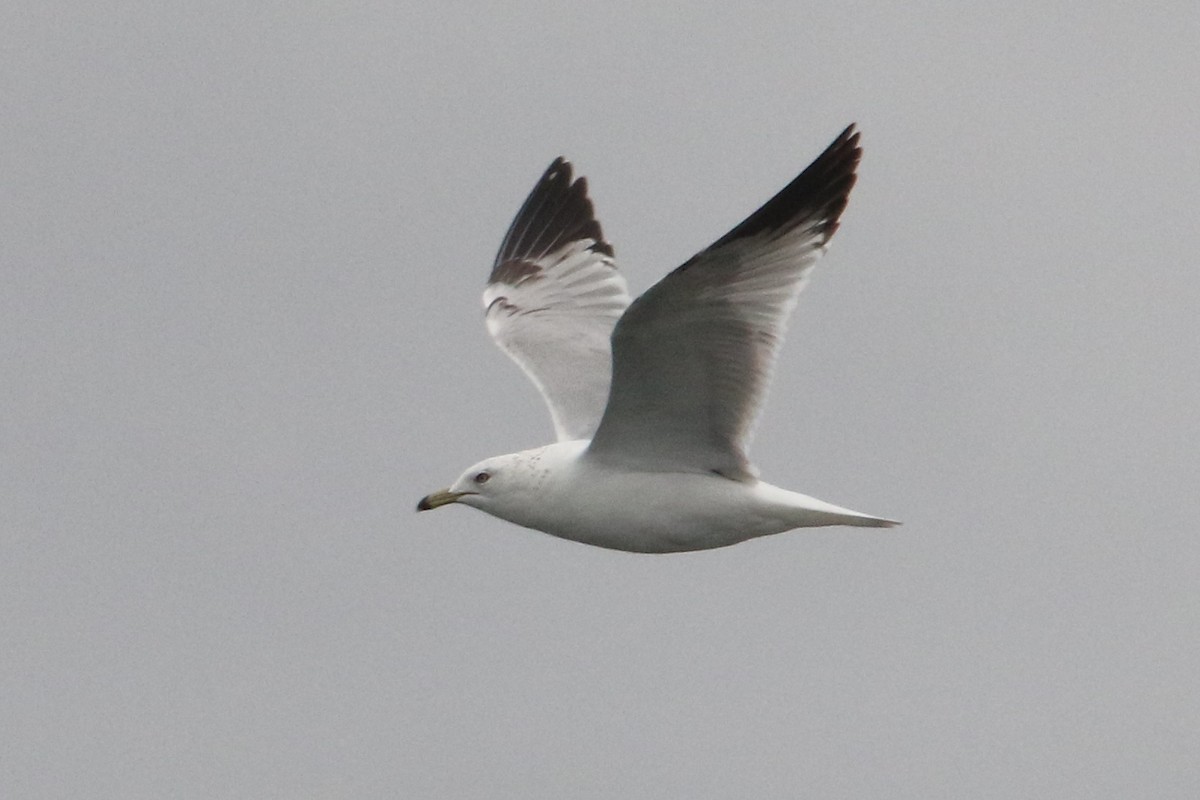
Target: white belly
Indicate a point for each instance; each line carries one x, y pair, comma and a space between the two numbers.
568, 495
671, 512
661, 513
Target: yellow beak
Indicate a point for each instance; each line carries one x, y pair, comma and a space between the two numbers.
440, 498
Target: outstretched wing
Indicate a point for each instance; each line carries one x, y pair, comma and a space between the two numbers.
693, 356
553, 298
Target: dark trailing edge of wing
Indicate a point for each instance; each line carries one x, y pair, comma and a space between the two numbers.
556, 213
820, 193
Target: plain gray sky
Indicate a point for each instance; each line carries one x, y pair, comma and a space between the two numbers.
242, 247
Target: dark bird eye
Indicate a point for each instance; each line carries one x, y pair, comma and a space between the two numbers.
482, 477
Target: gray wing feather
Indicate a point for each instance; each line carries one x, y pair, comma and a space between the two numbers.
693, 356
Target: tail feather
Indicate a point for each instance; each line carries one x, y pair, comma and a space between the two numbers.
811, 512
864, 521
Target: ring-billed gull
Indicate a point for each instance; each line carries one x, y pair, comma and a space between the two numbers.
656, 462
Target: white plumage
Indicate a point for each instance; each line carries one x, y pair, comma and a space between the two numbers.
653, 402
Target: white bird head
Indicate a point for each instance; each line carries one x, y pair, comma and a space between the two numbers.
501, 485
473, 488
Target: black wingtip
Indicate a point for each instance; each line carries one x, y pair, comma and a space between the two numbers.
556, 212
819, 193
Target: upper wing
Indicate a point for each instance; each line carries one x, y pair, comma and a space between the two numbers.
692, 357
553, 298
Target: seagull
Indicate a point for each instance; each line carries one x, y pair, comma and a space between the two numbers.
653, 402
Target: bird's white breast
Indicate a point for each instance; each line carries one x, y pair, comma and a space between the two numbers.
586, 501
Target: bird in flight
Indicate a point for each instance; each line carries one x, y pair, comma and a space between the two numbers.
653, 401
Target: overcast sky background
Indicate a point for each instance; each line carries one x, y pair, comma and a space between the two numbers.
242, 247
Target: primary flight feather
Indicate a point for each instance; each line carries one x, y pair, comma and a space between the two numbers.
653, 402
